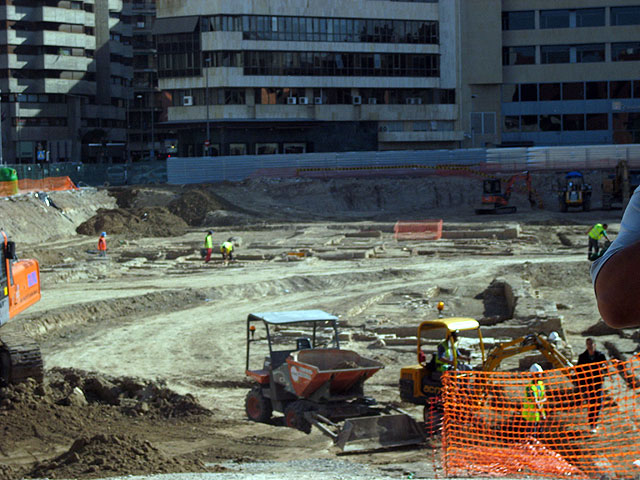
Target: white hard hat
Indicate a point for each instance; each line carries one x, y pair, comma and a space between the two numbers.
535, 368
554, 337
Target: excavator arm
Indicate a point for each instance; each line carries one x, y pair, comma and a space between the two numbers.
534, 341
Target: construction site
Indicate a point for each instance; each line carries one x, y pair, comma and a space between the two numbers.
153, 361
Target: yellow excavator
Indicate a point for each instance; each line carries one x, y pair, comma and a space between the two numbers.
421, 383
19, 289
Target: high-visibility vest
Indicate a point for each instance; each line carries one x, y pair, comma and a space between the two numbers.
226, 247
532, 409
102, 244
597, 232
448, 353
208, 241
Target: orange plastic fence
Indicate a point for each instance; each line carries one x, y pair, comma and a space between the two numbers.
418, 230
26, 185
588, 422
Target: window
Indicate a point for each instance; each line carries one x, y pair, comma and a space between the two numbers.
519, 55
573, 122
294, 148
266, 148
529, 123
573, 91
590, 17
524, 20
624, 52
590, 53
620, 89
597, 90
597, 121
625, 15
636, 89
237, 149
555, 54
511, 123
550, 123
529, 92
549, 92
555, 18
510, 93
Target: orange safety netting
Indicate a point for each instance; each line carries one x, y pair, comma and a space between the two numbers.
588, 427
26, 185
418, 230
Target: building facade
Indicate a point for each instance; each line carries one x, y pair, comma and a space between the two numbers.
65, 80
290, 77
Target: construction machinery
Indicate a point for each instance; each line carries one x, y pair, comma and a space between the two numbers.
19, 289
421, 384
315, 382
617, 188
574, 193
495, 200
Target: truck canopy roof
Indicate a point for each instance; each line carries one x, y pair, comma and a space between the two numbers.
293, 316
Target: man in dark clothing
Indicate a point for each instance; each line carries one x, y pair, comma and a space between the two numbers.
591, 380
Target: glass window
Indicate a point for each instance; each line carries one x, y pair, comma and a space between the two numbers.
597, 121
573, 122
590, 53
524, 20
620, 89
555, 18
624, 52
511, 123
510, 93
519, 55
294, 148
573, 91
549, 92
266, 148
237, 149
636, 89
625, 15
550, 123
597, 90
529, 92
555, 54
590, 17
529, 123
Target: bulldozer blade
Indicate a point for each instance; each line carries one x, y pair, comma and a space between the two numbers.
377, 432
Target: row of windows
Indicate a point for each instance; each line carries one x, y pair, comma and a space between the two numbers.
546, 92
570, 122
36, 50
570, 18
39, 121
47, 26
321, 29
328, 96
69, 4
40, 74
589, 53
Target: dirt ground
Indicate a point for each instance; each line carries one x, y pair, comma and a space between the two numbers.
145, 350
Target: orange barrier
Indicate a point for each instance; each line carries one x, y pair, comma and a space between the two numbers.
490, 426
26, 185
418, 230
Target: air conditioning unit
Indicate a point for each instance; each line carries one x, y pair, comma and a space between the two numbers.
373, 101
291, 100
303, 100
187, 100
356, 100
317, 100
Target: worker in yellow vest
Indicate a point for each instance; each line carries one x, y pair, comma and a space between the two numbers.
533, 407
208, 246
598, 231
226, 249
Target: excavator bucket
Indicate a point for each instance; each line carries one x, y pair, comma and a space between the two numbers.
378, 431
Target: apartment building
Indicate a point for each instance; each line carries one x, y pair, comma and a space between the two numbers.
65, 80
294, 76
571, 72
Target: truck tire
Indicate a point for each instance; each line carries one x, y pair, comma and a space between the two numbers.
294, 416
257, 406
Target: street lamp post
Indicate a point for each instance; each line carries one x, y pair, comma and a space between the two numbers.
207, 62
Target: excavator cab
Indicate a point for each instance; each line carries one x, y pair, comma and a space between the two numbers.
574, 193
495, 200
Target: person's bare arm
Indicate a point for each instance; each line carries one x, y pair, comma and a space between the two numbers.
618, 288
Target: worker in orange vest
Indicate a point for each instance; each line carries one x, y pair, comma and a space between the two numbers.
102, 244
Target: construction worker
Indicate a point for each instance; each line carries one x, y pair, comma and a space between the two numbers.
615, 273
533, 408
598, 231
226, 249
591, 380
102, 244
445, 355
208, 246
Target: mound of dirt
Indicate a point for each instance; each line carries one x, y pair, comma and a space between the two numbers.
193, 206
138, 222
101, 455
